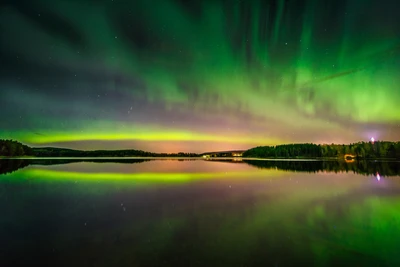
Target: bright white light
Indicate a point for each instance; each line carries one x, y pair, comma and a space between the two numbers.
372, 139
378, 177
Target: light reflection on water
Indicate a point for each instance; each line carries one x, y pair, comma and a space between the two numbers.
196, 213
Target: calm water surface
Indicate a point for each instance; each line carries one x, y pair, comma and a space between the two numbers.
199, 213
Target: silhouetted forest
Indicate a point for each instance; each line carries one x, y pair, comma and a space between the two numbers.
11, 148
361, 150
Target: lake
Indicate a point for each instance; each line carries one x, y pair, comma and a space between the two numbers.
168, 212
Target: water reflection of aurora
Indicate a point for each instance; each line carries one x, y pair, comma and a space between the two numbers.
247, 217
138, 177
147, 165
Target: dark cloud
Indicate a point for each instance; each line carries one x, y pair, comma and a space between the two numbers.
52, 23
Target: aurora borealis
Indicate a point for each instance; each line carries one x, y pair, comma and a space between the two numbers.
173, 75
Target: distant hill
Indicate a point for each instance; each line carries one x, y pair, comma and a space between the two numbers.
64, 152
11, 148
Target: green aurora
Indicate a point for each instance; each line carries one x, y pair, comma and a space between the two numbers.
198, 75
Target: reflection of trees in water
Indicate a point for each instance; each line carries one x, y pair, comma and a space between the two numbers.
388, 168
11, 165
361, 167
67, 161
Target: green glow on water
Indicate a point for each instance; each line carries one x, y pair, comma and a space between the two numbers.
243, 217
41, 174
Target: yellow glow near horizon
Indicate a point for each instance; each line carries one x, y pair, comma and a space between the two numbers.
69, 136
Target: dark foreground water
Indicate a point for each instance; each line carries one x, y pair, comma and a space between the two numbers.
199, 213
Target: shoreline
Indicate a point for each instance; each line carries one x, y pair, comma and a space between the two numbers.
198, 158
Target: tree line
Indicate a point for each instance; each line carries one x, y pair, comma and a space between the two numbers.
360, 150
11, 148
60, 152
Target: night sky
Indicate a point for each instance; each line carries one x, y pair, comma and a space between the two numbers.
177, 75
